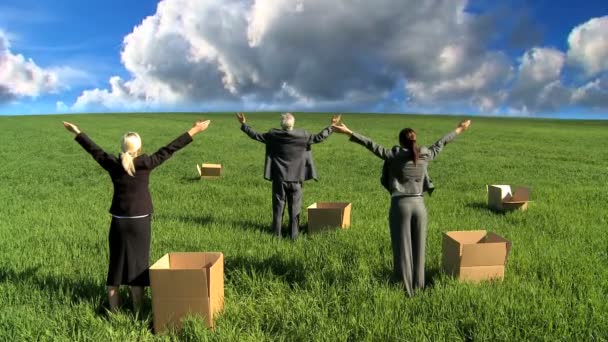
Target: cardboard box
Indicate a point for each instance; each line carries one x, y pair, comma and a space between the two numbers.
186, 284
210, 171
475, 255
323, 215
501, 199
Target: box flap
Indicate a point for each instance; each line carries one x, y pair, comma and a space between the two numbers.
162, 263
331, 205
502, 189
497, 194
521, 195
493, 237
346, 216
450, 255
216, 284
211, 166
483, 254
467, 236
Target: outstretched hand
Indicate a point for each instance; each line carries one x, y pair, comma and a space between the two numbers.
463, 126
341, 128
199, 126
336, 119
71, 127
241, 117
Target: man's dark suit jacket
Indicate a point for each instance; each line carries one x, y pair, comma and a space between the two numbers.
288, 153
131, 194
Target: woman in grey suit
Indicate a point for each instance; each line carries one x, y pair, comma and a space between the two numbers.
405, 176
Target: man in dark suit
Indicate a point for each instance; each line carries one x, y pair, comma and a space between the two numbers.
288, 164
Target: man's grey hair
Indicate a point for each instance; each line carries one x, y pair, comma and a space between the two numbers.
287, 121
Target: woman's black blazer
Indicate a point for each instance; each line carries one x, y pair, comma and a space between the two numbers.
131, 193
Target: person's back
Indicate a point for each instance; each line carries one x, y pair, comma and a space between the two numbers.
287, 150
288, 164
131, 188
404, 175
131, 193
130, 229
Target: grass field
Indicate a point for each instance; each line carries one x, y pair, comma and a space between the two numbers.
331, 287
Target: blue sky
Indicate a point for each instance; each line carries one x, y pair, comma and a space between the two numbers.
507, 58
84, 35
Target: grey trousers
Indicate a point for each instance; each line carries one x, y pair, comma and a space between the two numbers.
407, 222
292, 193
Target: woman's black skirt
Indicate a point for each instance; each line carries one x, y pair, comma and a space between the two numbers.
129, 240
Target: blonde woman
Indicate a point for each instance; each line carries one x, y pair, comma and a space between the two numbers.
129, 237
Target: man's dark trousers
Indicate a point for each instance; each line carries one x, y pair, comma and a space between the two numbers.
292, 193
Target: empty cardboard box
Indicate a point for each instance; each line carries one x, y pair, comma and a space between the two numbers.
500, 198
323, 215
210, 171
182, 284
475, 255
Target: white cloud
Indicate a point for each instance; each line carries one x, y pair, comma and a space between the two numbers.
69, 77
304, 52
121, 95
588, 45
21, 77
593, 94
479, 87
538, 86
61, 107
318, 54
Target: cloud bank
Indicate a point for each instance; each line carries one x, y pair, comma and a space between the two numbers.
319, 54
21, 77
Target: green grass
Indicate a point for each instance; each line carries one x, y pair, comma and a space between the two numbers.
334, 286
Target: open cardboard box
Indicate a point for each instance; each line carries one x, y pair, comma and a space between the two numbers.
182, 284
475, 255
500, 198
209, 171
323, 215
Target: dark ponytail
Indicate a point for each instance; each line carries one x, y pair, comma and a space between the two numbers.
407, 139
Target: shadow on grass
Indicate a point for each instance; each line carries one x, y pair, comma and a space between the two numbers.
483, 206
76, 290
252, 226
386, 276
290, 271
191, 179
198, 220
267, 228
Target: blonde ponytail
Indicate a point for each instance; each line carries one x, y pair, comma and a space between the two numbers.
131, 145
127, 163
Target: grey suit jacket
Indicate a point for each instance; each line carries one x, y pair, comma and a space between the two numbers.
288, 153
399, 174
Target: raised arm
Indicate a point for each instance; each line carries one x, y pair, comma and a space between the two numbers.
325, 133
101, 157
167, 151
437, 147
250, 131
380, 151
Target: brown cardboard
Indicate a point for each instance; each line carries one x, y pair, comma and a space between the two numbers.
209, 171
481, 273
324, 215
500, 198
474, 255
190, 283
